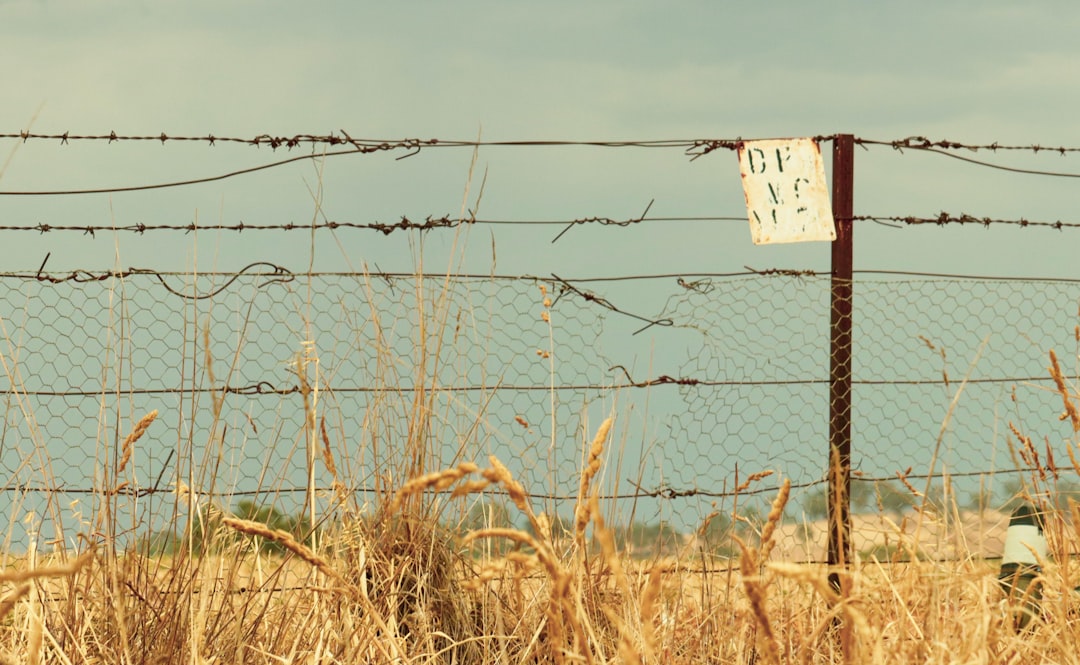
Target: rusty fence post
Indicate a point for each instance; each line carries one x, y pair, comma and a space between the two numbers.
839, 459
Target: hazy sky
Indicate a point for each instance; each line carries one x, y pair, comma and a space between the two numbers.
970, 72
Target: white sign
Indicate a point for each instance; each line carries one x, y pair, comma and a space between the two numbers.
787, 198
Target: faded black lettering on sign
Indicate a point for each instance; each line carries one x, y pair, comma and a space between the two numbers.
784, 183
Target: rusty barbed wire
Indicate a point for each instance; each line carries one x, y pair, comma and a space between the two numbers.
566, 287
181, 183
405, 223
703, 285
785, 272
276, 274
663, 491
266, 388
432, 222
923, 143
274, 142
946, 148
386, 228
703, 147
606, 221
369, 144
700, 281
81, 275
963, 218
694, 147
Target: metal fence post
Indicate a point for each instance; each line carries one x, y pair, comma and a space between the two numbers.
839, 460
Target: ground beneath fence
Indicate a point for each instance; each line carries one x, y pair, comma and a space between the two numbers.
969, 533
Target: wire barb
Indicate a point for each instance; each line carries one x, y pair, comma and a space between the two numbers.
945, 218
567, 287
605, 221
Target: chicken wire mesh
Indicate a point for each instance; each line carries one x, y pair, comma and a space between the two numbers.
941, 367
523, 371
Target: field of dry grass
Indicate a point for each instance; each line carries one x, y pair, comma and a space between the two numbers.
395, 587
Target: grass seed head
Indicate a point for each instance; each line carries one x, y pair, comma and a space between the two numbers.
773, 520
128, 447
437, 480
499, 474
1071, 412
592, 467
753, 478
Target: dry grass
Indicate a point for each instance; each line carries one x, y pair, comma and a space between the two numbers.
397, 588
400, 583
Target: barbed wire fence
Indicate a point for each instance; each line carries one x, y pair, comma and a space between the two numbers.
221, 356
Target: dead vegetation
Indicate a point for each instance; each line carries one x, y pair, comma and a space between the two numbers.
399, 587
400, 582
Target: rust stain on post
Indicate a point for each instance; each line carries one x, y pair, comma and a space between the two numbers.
839, 458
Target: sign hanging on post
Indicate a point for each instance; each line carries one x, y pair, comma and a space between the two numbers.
787, 198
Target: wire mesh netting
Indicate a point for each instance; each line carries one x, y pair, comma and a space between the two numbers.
521, 369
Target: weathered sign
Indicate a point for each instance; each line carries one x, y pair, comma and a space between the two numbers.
787, 197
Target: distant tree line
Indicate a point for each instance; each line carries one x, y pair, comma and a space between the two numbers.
892, 497
639, 538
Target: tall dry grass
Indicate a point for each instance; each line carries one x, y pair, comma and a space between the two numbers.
400, 583
395, 587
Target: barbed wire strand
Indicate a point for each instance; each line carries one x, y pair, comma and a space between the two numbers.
178, 183
405, 223
331, 139
693, 148
343, 138
1001, 167
429, 223
660, 492
268, 388
432, 222
700, 283
945, 218
922, 143
566, 287
944, 149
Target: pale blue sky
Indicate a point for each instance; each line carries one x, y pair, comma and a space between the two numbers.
976, 73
